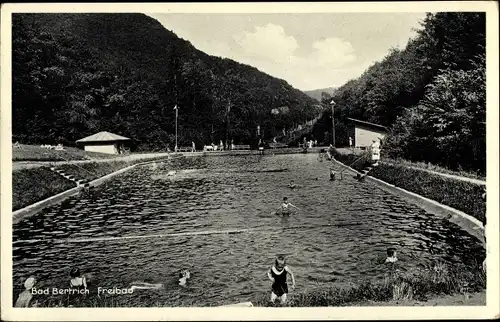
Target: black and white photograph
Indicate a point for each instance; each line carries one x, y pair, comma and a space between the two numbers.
250, 156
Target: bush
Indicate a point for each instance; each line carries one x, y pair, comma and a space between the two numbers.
461, 195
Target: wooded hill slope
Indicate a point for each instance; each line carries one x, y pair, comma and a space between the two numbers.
78, 74
431, 94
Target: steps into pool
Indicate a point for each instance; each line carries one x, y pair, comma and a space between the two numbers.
365, 171
79, 182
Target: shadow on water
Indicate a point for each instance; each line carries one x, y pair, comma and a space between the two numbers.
342, 229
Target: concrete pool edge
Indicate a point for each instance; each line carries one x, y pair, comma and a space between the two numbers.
465, 221
32, 209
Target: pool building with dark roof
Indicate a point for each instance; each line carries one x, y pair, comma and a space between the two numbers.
363, 133
104, 142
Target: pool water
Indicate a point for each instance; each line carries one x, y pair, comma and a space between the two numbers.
340, 232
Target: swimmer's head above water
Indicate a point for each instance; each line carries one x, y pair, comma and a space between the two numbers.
391, 255
183, 277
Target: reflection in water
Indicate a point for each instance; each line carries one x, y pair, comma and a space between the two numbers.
342, 229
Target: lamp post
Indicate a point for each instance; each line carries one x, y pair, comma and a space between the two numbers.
176, 108
332, 104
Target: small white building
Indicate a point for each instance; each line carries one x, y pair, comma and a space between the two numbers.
104, 142
364, 133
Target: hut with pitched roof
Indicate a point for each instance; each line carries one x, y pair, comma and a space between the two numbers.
104, 142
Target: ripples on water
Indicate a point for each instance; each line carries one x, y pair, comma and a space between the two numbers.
340, 232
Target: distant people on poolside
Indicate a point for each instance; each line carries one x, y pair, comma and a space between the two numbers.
193, 147
350, 142
375, 151
78, 280
391, 255
277, 275
24, 299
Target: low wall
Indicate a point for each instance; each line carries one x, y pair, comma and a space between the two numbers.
30, 210
468, 223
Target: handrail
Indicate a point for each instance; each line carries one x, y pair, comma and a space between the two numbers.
355, 161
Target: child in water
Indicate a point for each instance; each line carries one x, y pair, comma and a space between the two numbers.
292, 185
284, 208
77, 279
183, 277
277, 274
391, 255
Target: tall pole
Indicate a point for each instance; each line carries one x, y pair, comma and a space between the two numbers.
176, 110
176, 116
332, 104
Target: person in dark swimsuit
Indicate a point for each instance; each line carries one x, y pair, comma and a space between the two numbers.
277, 274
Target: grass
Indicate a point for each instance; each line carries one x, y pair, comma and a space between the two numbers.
436, 280
36, 153
35, 184
461, 195
94, 170
32, 185
432, 167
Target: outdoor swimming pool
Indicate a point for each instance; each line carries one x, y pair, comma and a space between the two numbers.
340, 233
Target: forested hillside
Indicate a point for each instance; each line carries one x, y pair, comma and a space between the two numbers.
316, 93
77, 74
431, 94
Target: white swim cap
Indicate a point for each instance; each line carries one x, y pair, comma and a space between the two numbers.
29, 283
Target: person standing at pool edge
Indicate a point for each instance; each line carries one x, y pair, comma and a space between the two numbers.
277, 274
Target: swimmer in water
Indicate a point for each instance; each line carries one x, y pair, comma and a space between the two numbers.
391, 255
292, 185
284, 209
145, 286
183, 277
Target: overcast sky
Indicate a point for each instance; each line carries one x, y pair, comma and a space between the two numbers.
309, 51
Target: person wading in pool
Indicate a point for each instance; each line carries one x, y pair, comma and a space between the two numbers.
284, 209
277, 274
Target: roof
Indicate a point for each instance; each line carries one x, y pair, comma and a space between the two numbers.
378, 126
103, 137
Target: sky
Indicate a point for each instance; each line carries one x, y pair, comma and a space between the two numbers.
309, 51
